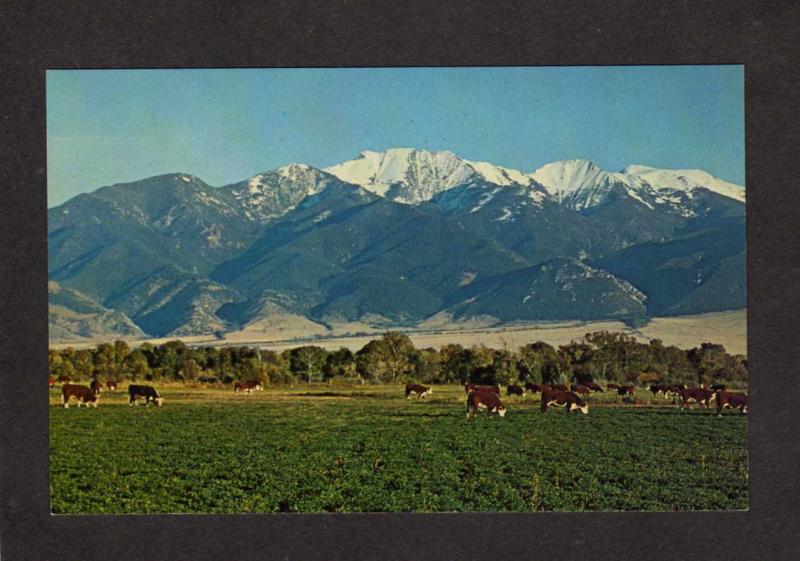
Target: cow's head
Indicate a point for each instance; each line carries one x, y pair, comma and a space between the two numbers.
581, 406
159, 401
501, 410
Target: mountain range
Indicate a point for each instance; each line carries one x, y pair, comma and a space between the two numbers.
397, 238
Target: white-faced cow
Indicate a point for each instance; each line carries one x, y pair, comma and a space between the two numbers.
702, 396
484, 401
734, 400
149, 394
83, 394
96, 386
247, 386
111, 385
417, 390
566, 399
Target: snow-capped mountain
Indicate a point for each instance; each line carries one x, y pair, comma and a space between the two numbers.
412, 176
271, 194
394, 235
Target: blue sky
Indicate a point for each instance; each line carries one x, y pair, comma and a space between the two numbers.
113, 126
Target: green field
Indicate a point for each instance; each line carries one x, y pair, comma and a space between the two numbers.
349, 449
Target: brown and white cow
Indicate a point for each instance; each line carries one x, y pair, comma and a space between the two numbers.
514, 389
111, 385
63, 379
580, 389
417, 390
566, 399
612, 387
149, 394
469, 387
734, 400
626, 390
96, 386
83, 394
594, 387
484, 401
247, 386
702, 396
658, 389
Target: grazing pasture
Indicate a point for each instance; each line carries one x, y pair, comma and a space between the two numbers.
349, 449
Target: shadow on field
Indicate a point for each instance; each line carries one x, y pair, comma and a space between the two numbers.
342, 394
422, 414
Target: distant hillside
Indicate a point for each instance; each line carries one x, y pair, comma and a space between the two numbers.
395, 238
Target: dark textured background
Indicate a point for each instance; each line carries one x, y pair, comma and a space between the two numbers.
762, 35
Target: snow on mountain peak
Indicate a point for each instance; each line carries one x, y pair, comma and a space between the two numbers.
409, 175
685, 180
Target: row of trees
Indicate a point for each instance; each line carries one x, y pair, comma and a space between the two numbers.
601, 356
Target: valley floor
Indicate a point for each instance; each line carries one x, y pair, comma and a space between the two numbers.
367, 448
726, 328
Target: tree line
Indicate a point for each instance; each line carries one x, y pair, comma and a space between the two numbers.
598, 357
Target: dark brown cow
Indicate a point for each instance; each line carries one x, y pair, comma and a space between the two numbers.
566, 399
111, 385
702, 396
83, 394
658, 389
533, 388
475, 388
734, 400
488, 401
149, 394
417, 390
612, 387
560, 387
514, 389
247, 386
580, 389
626, 390
96, 386
594, 387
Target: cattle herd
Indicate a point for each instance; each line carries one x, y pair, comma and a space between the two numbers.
479, 398
487, 398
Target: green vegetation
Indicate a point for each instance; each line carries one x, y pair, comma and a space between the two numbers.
343, 448
601, 356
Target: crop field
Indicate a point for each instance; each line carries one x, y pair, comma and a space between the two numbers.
355, 449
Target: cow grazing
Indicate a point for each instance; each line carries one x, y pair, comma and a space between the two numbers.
566, 399
149, 394
514, 389
475, 388
702, 396
626, 390
734, 400
612, 387
247, 386
594, 387
580, 389
488, 401
96, 386
83, 394
533, 388
111, 385
417, 390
